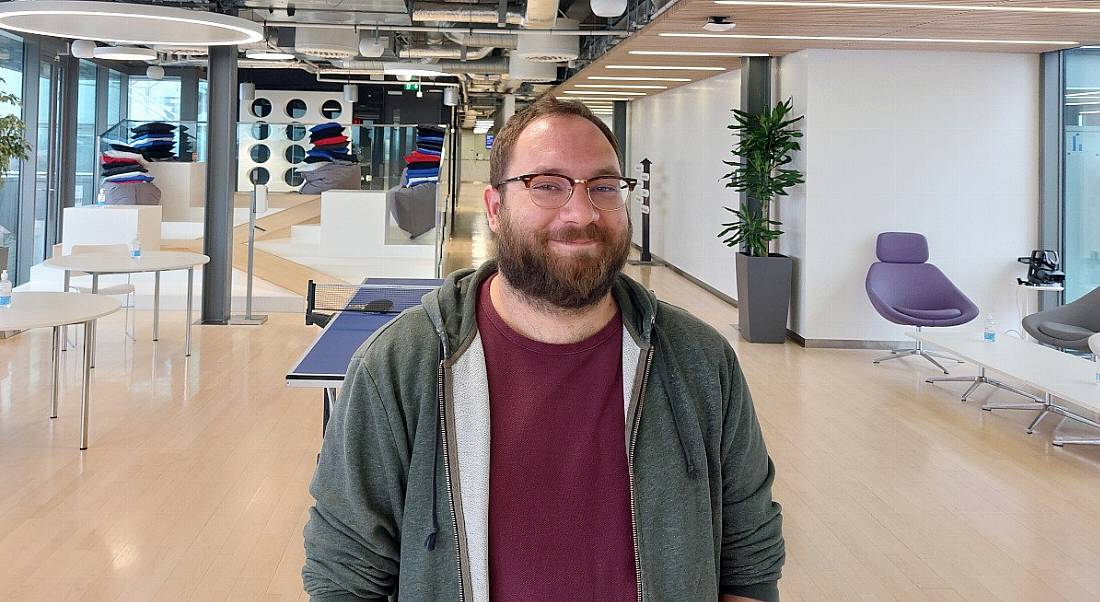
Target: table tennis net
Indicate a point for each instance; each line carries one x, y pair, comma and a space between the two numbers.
367, 298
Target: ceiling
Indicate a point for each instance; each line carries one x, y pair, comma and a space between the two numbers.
911, 29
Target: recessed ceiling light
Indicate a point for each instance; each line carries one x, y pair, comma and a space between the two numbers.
666, 67
605, 92
584, 99
627, 86
738, 36
125, 53
900, 6
127, 23
268, 55
623, 78
695, 53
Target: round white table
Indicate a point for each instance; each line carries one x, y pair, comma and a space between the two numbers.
97, 264
54, 310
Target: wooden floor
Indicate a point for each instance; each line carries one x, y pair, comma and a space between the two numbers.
195, 483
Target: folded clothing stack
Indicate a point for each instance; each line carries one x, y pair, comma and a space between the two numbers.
155, 140
422, 165
329, 165
126, 180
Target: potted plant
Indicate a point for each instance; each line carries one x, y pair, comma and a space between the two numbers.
763, 278
13, 145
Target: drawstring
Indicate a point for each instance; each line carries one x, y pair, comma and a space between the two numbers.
667, 379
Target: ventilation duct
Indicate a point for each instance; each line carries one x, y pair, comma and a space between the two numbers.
525, 70
326, 43
541, 14
491, 40
549, 48
443, 52
487, 66
459, 13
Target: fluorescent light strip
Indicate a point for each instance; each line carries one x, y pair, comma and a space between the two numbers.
621, 86
1082, 104
693, 53
1089, 113
605, 93
589, 99
900, 6
666, 67
738, 36
623, 78
1080, 94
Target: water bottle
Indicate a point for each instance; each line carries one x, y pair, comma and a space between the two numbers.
1097, 370
990, 332
5, 290
101, 199
135, 248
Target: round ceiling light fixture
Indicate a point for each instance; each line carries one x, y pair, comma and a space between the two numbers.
154, 72
125, 53
371, 45
719, 24
268, 55
82, 49
608, 8
127, 23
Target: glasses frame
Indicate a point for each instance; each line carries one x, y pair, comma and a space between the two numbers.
527, 177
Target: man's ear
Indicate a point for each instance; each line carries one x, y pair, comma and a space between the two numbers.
493, 202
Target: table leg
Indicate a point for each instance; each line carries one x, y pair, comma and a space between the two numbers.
55, 388
156, 306
65, 331
89, 345
190, 289
89, 333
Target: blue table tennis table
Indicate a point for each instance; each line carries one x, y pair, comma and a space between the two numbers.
325, 362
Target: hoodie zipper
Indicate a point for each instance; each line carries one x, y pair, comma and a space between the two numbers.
633, 441
450, 491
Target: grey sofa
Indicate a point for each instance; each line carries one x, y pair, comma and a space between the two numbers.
1068, 326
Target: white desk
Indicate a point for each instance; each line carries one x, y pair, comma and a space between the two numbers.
54, 310
1058, 375
152, 261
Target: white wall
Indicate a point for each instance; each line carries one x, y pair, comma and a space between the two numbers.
475, 157
683, 132
941, 143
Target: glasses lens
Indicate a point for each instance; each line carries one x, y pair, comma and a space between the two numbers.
550, 192
608, 193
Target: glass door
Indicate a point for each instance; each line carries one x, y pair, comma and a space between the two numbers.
46, 164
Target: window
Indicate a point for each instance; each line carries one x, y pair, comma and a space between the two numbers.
114, 98
1081, 196
85, 136
11, 71
153, 100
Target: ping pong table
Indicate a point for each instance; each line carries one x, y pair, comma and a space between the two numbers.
372, 306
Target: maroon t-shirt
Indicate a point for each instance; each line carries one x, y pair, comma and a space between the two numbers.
559, 491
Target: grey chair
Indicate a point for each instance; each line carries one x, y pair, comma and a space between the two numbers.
1068, 326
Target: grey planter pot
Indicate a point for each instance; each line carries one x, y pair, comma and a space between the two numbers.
763, 297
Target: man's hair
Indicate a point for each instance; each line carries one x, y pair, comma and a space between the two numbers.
547, 106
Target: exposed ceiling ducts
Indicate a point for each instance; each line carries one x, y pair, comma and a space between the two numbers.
541, 14
499, 40
444, 52
463, 13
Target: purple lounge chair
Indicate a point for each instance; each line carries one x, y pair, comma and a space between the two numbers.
906, 289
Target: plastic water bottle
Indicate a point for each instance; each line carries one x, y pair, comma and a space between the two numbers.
990, 332
1098, 370
5, 290
101, 199
135, 248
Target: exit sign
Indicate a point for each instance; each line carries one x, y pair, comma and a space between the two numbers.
412, 87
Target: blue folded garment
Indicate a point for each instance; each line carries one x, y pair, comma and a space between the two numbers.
430, 151
154, 144
438, 139
423, 173
415, 181
129, 179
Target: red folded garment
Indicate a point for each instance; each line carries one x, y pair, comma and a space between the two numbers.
419, 157
341, 139
107, 159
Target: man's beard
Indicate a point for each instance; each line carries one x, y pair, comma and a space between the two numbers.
562, 281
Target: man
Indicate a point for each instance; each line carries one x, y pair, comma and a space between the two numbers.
543, 428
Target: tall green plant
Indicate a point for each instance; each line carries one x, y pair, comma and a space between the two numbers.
13, 143
765, 144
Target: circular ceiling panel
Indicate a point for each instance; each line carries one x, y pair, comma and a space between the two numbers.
127, 23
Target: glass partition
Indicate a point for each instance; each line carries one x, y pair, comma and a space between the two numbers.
1081, 209
188, 138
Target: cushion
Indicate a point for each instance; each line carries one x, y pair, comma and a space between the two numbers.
325, 126
123, 168
132, 193
117, 154
930, 314
1064, 332
341, 139
155, 126
901, 247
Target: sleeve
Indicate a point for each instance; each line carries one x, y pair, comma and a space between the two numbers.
752, 523
352, 539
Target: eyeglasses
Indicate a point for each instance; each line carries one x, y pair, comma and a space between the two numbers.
553, 191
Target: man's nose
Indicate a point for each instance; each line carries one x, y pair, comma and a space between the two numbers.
579, 209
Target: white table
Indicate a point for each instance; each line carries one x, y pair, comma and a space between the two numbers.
1023, 300
54, 310
97, 264
1057, 375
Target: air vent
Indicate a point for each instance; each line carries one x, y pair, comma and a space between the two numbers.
325, 43
549, 48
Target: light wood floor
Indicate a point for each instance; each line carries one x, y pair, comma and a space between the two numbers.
195, 483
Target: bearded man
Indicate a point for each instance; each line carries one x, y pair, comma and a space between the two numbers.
542, 427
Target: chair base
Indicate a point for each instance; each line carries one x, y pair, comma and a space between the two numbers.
921, 352
982, 379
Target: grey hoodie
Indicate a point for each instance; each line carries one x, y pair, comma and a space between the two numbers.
402, 485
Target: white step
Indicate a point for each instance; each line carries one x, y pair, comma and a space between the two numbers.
306, 234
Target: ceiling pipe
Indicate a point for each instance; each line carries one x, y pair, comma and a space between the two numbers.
455, 67
541, 14
330, 76
444, 52
463, 13
619, 33
494, 40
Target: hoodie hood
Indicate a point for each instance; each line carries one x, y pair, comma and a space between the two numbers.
452, 307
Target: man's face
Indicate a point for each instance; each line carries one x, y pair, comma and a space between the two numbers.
566, 257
